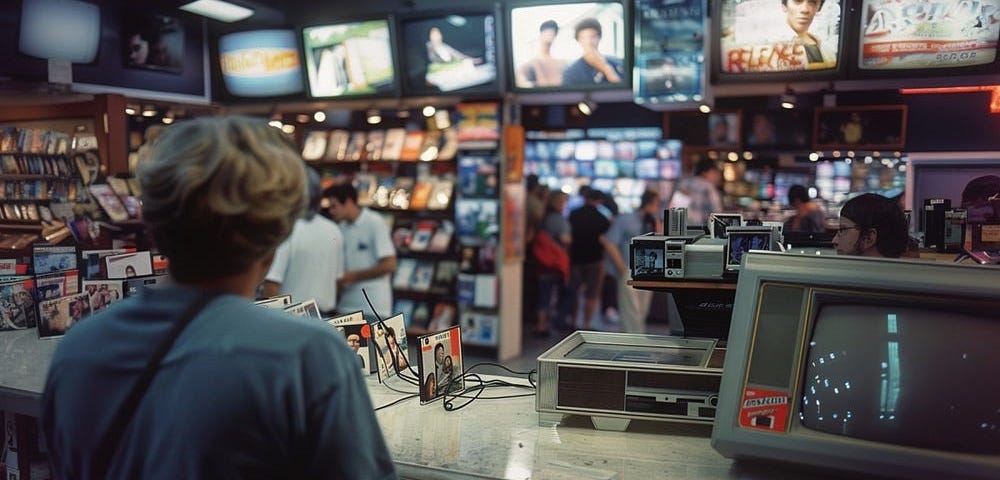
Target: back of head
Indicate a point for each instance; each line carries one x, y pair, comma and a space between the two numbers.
648, 197
221, 193
873, 211
704, 165
980, 189
549, 25
797, 192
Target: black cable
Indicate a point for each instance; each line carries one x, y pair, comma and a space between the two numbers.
397, 401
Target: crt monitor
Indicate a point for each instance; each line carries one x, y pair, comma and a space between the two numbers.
867, 364
260, 63
449, 53
349, 59
60, 29
777, 40
906, 38
569, 46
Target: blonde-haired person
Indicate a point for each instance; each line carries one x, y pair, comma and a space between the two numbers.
243, 392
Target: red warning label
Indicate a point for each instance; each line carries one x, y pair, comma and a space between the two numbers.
764, 409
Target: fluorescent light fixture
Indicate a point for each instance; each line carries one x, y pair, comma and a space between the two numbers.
218, 10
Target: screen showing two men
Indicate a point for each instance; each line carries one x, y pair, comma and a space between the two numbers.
577, 45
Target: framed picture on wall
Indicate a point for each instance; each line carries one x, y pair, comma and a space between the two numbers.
153, 42
724, 130
870, 127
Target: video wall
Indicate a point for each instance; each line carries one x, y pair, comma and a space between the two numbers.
655, 47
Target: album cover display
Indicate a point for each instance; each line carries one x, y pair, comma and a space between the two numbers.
440, 364
58, 315
390, 342
357, 334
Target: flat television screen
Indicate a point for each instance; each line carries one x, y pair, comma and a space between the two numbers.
260, 63
349, 59
920, 34
670, 51
778, 39
60, 29
569, 46
450, 53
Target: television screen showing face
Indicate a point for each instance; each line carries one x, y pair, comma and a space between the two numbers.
574, 46
349, 59
742, 242
778, 36
60, 29
886, 374
669, 56
647, 259
153, 42
260, 63
449, 53
913, 34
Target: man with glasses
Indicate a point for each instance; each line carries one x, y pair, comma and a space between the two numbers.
872, 226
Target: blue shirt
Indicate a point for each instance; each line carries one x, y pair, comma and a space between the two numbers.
245, 392
581, 73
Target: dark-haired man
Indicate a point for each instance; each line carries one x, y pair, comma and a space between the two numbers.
872, 226
369, 256
543, 70
592, 67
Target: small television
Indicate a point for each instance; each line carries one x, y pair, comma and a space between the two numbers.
449, 53
349, 59
865, 364
669, 70
261, 63
926, 38
740, 240
771, 40
549, 42
67, 30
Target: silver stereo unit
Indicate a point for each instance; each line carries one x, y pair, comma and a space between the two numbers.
615, 378
705, 259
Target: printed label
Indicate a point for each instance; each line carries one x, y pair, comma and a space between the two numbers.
764, 409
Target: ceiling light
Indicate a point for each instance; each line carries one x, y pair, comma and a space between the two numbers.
428, 111
168, 120
374, 117
732, 156
587, 106
703, 108
218, 10
129, 110
813, 157
149, 111
788, 99
275, 123
288, 128
319, 116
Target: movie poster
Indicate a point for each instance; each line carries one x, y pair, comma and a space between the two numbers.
760, 36
669, 57
910, 34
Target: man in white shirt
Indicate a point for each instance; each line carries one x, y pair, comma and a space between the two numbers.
311, 261
369, 256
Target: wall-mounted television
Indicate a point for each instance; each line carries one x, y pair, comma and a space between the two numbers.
449, 53
349, 59
260, 63
569, 46
907, 37
889, 371
777, 40
60, 29
670, 52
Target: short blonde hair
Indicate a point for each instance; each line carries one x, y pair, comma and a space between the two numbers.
221, 193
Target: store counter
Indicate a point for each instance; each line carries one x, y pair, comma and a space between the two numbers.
490, 438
